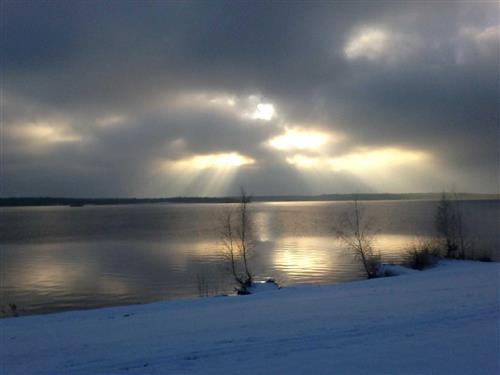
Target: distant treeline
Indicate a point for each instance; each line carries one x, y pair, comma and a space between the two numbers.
78, 202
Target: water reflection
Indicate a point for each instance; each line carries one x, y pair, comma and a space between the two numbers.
50, 276
326, 259
391, 246
114, 285
56, 258
262, 224
302, 257
47, 269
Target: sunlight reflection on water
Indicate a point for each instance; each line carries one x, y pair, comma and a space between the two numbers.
56, 258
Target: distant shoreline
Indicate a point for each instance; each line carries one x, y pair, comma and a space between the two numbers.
79, 202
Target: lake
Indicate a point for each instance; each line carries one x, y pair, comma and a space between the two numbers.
59, 258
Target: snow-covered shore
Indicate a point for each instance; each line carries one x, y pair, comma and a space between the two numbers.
442, 320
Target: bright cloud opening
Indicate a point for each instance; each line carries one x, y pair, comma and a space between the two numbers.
45, 132
361, 162
369, 161
369, 44
220, 161
250, 107
208, 174
264, 111
297, 139
375, 43
255, 107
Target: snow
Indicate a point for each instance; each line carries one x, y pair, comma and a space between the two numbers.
444, 320
395, 270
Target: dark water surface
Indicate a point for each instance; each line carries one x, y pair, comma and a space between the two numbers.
57, 258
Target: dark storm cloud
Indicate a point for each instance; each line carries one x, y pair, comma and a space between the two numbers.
428, 80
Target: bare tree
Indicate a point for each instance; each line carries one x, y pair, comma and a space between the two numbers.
445, 224
449, 225
229, 247
245, 243
460, 227
354, 231
237, 244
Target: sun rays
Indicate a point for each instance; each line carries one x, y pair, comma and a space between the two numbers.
207, 174
319, 153
224, 161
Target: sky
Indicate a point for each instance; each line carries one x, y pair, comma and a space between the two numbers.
198, 98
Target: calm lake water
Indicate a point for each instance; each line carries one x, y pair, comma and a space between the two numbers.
57, 258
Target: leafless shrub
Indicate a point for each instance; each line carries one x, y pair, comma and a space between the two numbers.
484, 257
237, 244
206, 286
422, 255
449, 224
202, 285
354, 231
13, 309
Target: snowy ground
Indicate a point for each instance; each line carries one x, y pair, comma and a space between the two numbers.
442, 320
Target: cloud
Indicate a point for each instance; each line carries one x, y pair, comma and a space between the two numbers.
376, 161
211, 161
300, 139
380, 44
478, 42
362, 161
98, 96
43, 133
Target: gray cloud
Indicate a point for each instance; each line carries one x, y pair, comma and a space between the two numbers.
97, 95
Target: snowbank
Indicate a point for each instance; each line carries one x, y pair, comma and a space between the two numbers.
442, 320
